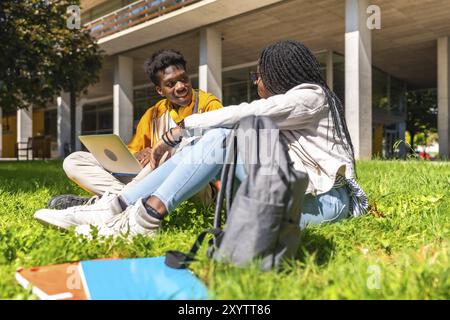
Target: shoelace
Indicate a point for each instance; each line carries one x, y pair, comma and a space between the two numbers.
92, 200
83, 208
103, 199
122, 220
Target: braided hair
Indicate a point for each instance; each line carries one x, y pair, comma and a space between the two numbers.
287, 64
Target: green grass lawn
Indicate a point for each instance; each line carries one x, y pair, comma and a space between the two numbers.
398, 251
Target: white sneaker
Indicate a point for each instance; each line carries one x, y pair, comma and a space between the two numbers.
133, 221
96, 214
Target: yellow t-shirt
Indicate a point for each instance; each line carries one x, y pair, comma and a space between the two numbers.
156, 120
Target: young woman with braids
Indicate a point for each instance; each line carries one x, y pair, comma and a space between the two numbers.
310, 116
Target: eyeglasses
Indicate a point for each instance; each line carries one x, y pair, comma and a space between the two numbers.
254, 76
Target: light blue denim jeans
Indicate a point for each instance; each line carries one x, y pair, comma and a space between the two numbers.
190, 170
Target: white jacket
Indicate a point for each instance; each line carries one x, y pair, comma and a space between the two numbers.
304, 118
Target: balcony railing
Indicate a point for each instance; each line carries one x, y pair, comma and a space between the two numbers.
133, 14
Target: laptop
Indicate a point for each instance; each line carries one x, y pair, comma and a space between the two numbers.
110, 151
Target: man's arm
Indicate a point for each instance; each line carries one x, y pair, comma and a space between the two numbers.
137, 145
143, 129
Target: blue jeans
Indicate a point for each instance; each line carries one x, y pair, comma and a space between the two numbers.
190, 170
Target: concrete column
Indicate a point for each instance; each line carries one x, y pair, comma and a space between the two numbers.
123, 98
63, 124
358, 77
443, 72
330, 70
210, 66
24, 128
78, 120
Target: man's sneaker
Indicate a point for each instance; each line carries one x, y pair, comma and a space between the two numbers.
98, 213
65, 201
133, 221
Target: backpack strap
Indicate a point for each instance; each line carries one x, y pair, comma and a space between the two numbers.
231, 172
227, 175
195, 103
180, 260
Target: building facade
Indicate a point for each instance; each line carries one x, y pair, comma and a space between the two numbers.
371, 53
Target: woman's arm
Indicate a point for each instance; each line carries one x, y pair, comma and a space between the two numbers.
298, 103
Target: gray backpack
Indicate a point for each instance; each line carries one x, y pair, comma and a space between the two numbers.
262, 217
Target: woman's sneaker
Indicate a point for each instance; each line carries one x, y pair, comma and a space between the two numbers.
133, 221
64, 201
98, 213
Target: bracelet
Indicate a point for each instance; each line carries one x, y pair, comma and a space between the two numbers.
171, 133
169, 143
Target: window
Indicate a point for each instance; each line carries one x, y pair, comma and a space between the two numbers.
322, 59
380, 95
237, 87
142, 100
398, 96
50, 123
97, 118
339, 76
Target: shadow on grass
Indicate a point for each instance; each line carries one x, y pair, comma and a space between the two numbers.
195, 219
190, 216
311, 244
29, 176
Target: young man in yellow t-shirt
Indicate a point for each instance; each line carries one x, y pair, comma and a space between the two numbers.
167, 70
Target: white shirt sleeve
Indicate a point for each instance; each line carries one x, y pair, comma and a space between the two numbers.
294, 107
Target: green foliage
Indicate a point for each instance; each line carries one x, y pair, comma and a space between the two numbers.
421, 114
40, 56
405, 237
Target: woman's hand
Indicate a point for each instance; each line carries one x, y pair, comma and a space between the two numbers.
144, 156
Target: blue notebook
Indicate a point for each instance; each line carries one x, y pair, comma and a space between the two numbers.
139, 279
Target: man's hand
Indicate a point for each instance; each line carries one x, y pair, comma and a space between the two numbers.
144, 156
157, 152
177, 133
161, 148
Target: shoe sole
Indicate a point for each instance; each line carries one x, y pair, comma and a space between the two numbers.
48, 221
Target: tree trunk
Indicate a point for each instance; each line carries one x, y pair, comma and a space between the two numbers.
73, 105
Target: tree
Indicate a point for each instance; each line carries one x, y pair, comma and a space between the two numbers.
421, 114
41, 56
